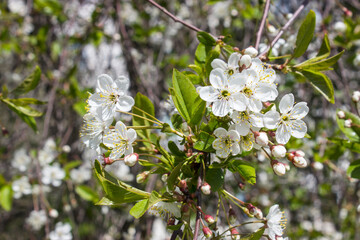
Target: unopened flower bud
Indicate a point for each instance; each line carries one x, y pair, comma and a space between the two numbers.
318, 166
209, 219
207, 232
261, 138
255, 211
341, 114
348, 123
108, 161
279, 168
340, 27
53, 213
232, 216
245, 61
278, 151
164, 177
206, 188
287, 167
299, 162
235, 235
299, 153
242, 185
251, 51
171, 221
131, 159
141, 177
271, 28
356, 96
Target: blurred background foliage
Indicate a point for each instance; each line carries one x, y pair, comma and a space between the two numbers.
72, 42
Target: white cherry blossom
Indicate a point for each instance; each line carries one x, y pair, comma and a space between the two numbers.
21, 187
227, 142
110, 96
289, 123
256, 91
62, 232
37, 219
224, 92
275, 222
229, 68
247, 120
120, 140
21, 160
92, 130
53, 174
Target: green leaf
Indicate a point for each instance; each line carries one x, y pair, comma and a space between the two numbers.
26, 101
176, 121
174, 175
6, 197
86, 193
215, 53
71, 165
117, 191
322, 65
200, 54
352, 133
22, 107
175, 150
29, 83
141, 207
352, 146
80, 108
143, 103
245, 169
205, 142
305, 34
354, 169
27, 119
321, 83
186, 99
325, 49
206, 39
214, 177
106, 202
256, 235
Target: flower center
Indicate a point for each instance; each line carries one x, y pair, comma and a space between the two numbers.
225, 94
248, 92
285, 118
231, 72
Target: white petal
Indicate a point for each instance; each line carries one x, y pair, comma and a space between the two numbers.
256, 120
299, 111
125, 103
298, 128
271, 119
237, 82
251, 75
208, 93
234, 135
246, 145
218, 144
221, 108
131, 135
234, 60
220, 132
128, 150
268, 76
265, 92
235, 149
121, 129
104, 83
218, 79
223, 153
218, 63
243, 129
255, 105
238, 102
286, 103
122, 83
283, 134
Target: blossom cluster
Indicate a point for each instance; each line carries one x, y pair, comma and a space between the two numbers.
243, 89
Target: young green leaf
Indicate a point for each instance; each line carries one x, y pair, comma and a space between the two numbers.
6, 197
322, 65
206, 39
29, 83
352, 133
245, 169
87, 193
321, 83
305, 34
141, 207
214, 177
354, 169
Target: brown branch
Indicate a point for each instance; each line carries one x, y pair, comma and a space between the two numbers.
262, 24
283, 29
176, 19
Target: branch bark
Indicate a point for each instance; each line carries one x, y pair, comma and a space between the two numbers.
262, 24
283, 29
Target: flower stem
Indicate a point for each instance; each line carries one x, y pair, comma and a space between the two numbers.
135, 115
148, 114
144, 127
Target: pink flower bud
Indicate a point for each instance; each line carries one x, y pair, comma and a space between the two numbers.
131, 159
206, 188
235, 235
256, 212
108, 161
299, 162
261, 138
278, 167
207, 232
278, 151
209, 219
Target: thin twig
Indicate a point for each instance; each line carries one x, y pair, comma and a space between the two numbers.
176, 19
277, 37
198, 203
262, 24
